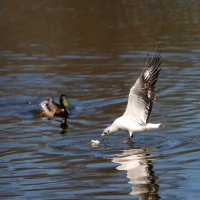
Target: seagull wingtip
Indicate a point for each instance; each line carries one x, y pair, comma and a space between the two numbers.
161, 125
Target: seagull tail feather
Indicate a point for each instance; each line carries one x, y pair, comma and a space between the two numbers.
154, 126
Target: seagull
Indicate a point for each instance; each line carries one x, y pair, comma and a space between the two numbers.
140, 101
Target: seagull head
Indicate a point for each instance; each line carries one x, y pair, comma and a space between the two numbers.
112, 128
106, 131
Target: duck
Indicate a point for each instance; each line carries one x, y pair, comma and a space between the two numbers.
50, 108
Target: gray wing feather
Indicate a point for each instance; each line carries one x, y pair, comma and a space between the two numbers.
49, 107
142, 94
52, 106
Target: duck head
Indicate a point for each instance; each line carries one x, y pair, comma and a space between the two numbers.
63, 102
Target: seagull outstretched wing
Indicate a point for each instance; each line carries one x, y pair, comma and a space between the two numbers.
142, 94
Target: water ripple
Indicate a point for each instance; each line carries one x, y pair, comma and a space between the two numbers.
96, 66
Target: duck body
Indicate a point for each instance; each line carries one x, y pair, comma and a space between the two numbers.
50, 108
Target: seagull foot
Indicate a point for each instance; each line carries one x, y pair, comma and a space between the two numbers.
128, 141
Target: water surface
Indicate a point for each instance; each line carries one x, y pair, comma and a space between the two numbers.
93, 51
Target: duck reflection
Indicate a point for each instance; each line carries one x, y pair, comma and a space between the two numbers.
140, 172
64, 126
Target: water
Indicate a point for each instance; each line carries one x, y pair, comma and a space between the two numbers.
93, 52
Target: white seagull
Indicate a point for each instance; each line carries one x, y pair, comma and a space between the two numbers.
140, 101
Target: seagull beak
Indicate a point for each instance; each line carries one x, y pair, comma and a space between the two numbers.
103, 137
103, 134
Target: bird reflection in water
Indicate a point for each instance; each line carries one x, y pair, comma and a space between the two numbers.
140, 172
64, 126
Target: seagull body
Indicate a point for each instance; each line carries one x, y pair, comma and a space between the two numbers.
140, 101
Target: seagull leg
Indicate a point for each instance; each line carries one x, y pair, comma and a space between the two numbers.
131, 139
128, 141
131, 143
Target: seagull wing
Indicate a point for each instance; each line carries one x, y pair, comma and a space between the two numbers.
142, 94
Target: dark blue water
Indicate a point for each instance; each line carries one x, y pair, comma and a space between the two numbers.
93, 52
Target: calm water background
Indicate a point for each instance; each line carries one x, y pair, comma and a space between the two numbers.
93, 51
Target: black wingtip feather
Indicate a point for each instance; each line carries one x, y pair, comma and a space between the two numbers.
153, 70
